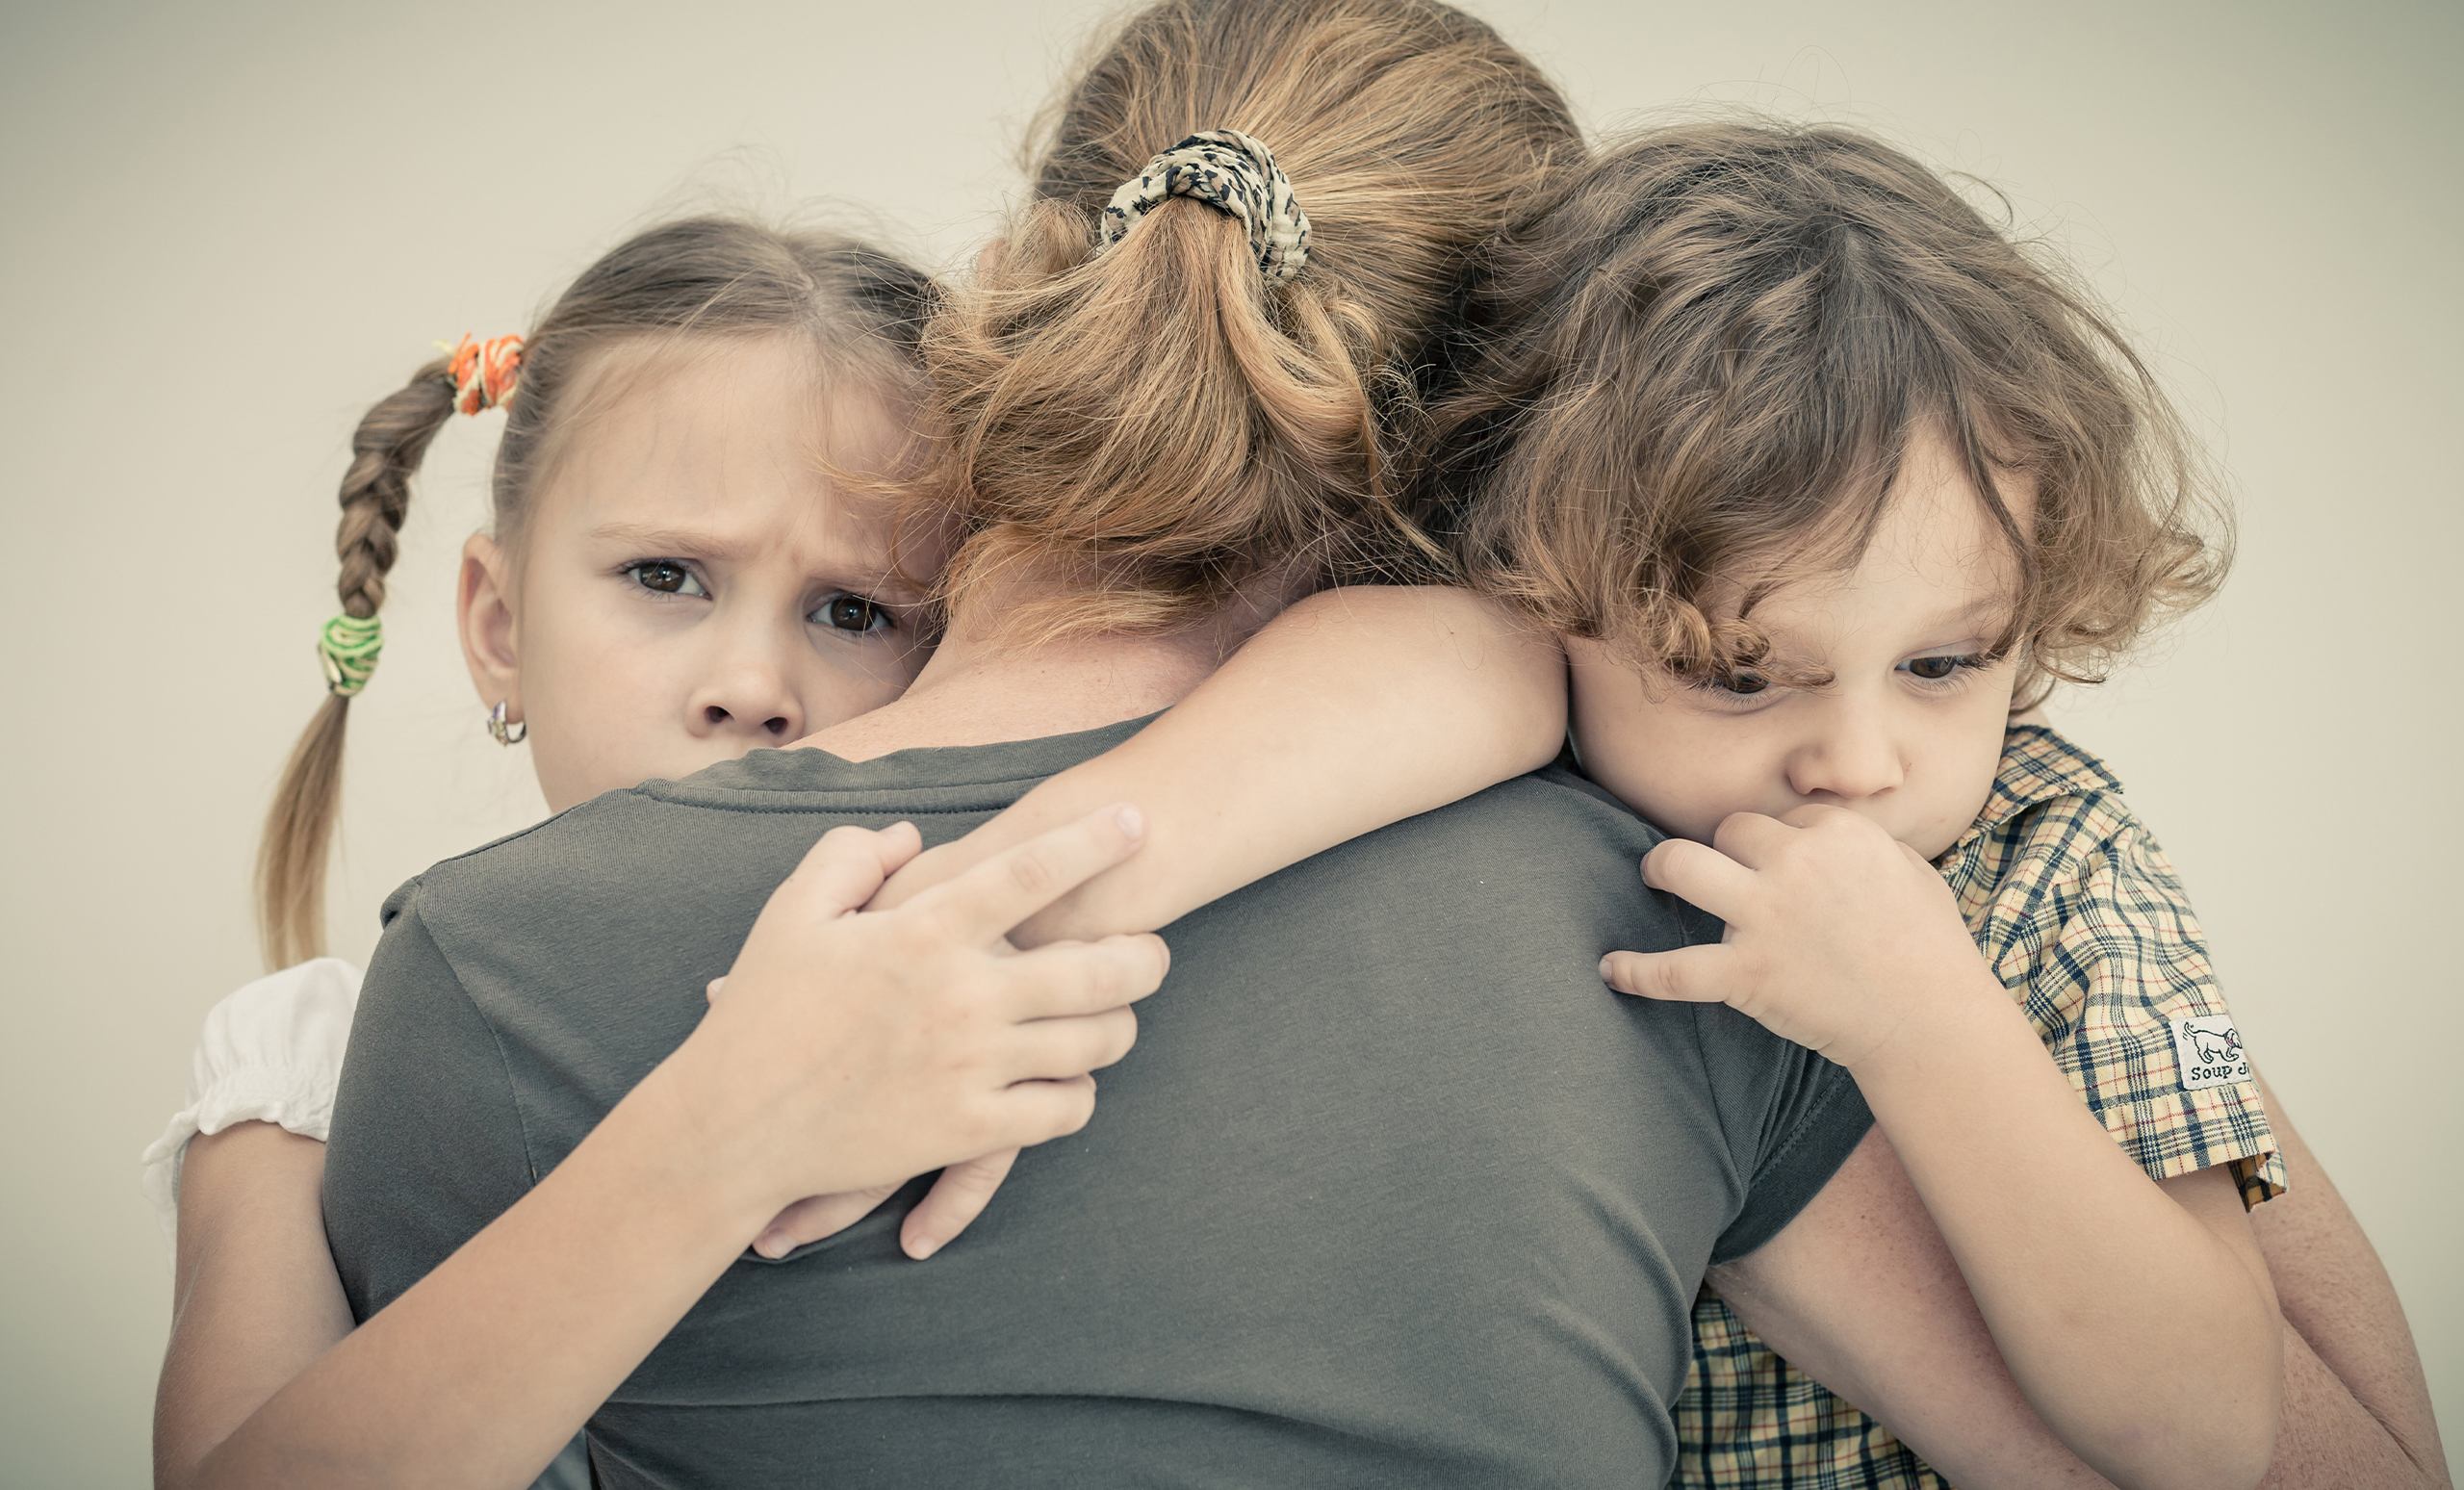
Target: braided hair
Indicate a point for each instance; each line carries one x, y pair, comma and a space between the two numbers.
385, 450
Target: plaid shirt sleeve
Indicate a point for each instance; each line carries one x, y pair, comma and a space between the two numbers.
2093, 933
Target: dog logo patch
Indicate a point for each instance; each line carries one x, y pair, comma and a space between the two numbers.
2210, 1050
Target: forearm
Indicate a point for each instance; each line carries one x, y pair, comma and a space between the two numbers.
2328, 1437
923, 1040
2143, 1335
483, 1370
1861, 1294
2356, 1407
1353, 709
255, 1299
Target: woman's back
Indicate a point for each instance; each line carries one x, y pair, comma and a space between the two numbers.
1391, 1191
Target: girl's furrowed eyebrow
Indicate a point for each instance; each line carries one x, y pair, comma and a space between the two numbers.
648, 540
666, 542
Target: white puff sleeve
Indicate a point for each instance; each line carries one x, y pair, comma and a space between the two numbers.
271, 1052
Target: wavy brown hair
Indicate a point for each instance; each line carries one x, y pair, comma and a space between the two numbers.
704, 278
1696, 368
1156, 426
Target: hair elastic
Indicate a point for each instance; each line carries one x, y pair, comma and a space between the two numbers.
484, 373
1236, 176
346, 647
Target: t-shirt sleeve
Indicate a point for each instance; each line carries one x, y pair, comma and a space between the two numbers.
427, 1143
2119, 986
1790, 1119
1793, 1117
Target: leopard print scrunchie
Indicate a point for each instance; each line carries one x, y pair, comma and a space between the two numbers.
1237, 176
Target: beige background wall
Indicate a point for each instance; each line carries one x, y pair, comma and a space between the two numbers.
225, 232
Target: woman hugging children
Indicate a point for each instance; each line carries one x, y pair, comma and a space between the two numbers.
1733, 491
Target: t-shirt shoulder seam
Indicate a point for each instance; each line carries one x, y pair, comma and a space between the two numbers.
496, 1041
515, 836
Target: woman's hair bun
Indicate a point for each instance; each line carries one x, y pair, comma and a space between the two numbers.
1144, 414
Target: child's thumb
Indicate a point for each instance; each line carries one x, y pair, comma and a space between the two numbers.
1689, 974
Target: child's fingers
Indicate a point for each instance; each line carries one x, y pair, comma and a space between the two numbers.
1700, 874
1059, 1049
1066, 979
1814, 813
953, 1203
1751, 839
841, 871
983, 904
711, 989
816, 1217
1038, 1112
1688, 974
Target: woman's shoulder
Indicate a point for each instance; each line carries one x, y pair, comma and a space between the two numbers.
544, 860
1551, 848
1558, 799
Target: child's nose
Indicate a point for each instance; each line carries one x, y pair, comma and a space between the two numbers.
1854, 756
747, 697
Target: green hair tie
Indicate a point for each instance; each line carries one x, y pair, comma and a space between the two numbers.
347, 647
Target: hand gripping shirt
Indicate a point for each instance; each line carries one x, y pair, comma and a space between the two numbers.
2084, 922
1391, 1192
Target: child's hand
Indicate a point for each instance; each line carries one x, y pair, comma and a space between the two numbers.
953, 1203
1838, 936
958, 1197
930, 1037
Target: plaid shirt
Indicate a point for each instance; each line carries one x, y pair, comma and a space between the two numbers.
2078, 911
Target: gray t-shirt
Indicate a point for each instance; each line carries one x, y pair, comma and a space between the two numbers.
1392, 1190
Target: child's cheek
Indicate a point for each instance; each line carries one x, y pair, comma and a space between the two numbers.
608, 718
1652, 769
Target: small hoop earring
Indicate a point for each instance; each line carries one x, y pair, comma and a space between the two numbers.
504, 733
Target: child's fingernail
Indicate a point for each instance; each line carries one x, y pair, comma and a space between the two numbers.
1603, 972
772, 1244
1133, 822
921, 1247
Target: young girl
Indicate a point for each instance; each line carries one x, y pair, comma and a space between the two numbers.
696, 552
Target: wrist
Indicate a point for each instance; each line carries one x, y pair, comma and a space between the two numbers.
690, 1143
1947, 1024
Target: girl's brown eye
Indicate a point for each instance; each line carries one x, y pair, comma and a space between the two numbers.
1934, 669
852, 613
665, 575
1743, 684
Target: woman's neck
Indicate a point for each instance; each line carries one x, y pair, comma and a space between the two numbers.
980, 689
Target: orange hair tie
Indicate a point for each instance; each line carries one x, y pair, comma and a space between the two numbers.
484, 373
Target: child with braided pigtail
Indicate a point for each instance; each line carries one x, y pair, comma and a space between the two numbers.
706, 539
838, 320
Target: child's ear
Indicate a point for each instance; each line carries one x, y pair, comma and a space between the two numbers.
483, 609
